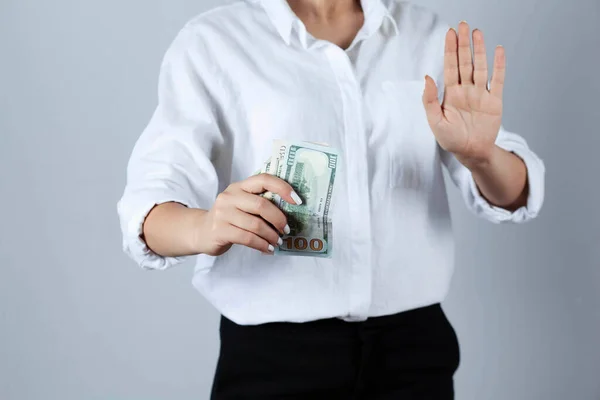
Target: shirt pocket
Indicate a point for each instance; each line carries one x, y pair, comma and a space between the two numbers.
412, 146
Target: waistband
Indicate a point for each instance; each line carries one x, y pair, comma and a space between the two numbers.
411, 319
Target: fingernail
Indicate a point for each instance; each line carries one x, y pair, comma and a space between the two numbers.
279, 242
286, 230
271, 248
296, 198
463, 22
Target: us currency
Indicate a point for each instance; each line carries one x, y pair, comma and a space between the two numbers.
310, 168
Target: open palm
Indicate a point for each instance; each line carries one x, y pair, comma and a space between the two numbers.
468, 121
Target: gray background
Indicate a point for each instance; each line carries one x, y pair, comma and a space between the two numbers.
79, 321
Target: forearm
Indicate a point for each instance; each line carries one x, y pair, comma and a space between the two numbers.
171, 229
501, 179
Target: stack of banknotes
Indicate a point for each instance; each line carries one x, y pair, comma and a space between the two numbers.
310, 168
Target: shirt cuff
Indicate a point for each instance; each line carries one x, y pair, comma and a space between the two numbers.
132, 229
133, 208
535, 179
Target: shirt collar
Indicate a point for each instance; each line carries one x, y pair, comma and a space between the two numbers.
284, 19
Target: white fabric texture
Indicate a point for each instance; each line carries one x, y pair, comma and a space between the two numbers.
239, 76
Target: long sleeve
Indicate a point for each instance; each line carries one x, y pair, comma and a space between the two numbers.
463, 179
171, 161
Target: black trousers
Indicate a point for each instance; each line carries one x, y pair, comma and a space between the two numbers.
407, 356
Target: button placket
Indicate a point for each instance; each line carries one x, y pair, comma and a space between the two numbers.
356, 160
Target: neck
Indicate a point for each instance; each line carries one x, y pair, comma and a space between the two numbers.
324, 10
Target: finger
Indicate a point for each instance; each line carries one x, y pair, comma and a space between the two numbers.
451, 77
257, 205
465, 58
256, 225
268, 183
433, 109
480, 75
497, 85
236, 235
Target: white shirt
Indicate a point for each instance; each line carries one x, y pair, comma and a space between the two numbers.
239, 76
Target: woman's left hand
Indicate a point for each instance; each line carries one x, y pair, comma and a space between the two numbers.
468, 121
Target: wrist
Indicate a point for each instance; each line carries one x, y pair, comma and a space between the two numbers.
196, 231
480, 161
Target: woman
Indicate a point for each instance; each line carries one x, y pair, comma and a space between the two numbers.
366, 322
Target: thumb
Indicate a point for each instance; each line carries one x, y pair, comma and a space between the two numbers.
433, 109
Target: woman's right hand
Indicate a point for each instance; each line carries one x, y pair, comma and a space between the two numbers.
241, 216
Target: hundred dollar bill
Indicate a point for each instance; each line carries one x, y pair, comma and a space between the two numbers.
310, 169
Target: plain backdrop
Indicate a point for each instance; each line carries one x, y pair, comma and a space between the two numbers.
78, 320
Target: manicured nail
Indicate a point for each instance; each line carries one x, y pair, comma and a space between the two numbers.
296, 198
271, 248
286, 230
279, 242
